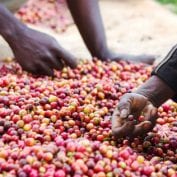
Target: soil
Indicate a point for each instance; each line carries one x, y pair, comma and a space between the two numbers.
132, 26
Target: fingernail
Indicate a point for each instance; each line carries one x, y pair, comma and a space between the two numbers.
124, 113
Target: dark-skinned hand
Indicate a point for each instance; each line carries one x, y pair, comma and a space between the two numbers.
133, 104
40, 53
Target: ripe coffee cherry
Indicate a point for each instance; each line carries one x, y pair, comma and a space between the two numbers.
53, 16
130, 117
61, 126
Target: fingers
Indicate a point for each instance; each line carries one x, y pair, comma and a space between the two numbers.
124, 130
150, 114
29, 68
124, 112
116, 121
54, 63
43, 69
153, 118
68, 59
141, 128
133, 104
59, 65
51, 60
120, 126
119, 115
124, 106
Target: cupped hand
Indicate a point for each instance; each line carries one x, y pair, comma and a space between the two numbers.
133, 104
40, 53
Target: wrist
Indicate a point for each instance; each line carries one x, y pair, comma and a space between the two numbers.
103, 54
156, 91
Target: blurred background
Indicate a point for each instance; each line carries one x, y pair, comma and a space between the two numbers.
13, 5
132, 26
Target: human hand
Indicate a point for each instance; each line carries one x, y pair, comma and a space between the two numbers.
40, 53
133, 104
143, 58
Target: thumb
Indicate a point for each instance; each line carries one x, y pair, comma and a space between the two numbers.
124, 106
124, 112
68, 58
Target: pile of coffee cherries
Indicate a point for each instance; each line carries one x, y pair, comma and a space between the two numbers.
61, 126
52, 14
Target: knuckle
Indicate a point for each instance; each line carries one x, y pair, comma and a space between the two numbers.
55, 46
122, 101
115, 133
124, 104
54, 42
44, 54
36, 62
47, 55
121, 105
126, 97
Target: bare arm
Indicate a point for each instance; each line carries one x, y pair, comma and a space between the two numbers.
36, 52
88, 19
10, 26
147, 98
86, 14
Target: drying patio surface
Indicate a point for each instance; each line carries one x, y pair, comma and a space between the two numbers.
139, 26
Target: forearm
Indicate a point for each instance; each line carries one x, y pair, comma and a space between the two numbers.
156, 90
167, 69
88, 19
163, 83
10, 26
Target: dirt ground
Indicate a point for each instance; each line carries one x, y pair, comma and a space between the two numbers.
132, 26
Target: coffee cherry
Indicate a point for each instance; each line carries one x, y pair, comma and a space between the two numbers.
130, 118
60, 173
29, 141
48, 156
20, 123
33, 13
62, 126
53, 98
